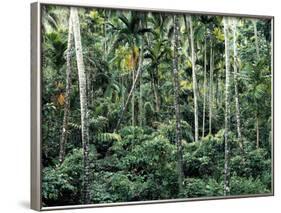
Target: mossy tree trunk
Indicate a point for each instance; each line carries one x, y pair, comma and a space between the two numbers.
176, 102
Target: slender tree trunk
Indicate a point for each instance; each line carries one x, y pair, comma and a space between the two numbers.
258, 57
157, 98
123, 91
125, 106
220, 90
156, 91
133, 97
217, 91
227, 108
258, 131
237, 105
89, 89
83, 104
194, 81
211, 90
204, 88
140, 102
140, 96
256, 37
176, 102
105, 34
63, 138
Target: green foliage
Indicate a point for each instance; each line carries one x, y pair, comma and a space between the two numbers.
168, 129
54, 183
204, 159
256, 163
139, 161
195, 187
242, 186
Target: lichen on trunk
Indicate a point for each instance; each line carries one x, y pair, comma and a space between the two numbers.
83, 105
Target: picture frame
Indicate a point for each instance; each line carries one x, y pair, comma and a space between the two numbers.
37, 115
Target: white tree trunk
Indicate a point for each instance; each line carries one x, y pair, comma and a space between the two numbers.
204, 88
211, 89
227, 108
194, 80
140, 103
133, 96
235, 64
83, 103
258, 56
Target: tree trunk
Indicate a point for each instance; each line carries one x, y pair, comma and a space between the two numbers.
227, 108
217, 91
156, 91
140, 97
194, 81
220, 90
256, 37
63, 138
258, 132
204, 89
89, 88
176, 102
211, 90
258, 57
83, 104
125, 106
105, 34
140, 102
237, 106
133, 96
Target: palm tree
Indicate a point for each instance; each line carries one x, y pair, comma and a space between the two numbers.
132, 34
156, 52
49, 18
83, 104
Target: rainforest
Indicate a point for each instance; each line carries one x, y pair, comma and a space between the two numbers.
141, 105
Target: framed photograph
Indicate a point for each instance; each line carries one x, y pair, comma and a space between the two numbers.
139, 105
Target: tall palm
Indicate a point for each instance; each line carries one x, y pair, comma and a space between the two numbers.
83, 103
131, 33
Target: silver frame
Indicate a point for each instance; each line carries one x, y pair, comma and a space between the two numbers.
36, 189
